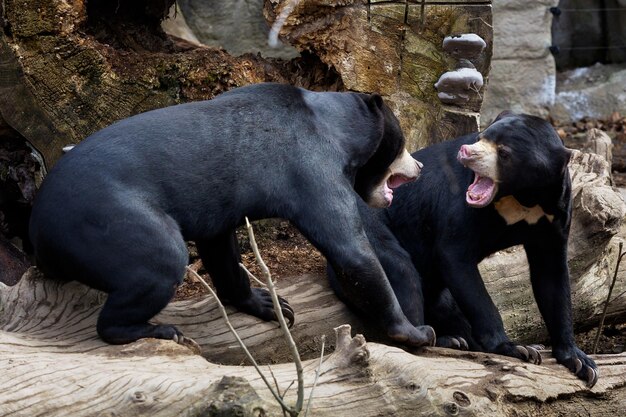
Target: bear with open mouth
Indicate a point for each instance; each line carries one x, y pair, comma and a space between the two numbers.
115, 212
507, 185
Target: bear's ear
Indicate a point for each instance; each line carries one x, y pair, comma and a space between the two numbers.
375, 100
567, 155
503, 114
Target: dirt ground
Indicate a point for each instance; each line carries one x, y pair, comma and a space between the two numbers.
285, 251
573, 135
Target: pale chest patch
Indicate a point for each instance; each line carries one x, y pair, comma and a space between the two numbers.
513, 212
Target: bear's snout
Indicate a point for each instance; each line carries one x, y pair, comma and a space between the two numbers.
465, 153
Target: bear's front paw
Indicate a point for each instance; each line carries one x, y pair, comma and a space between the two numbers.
578, 362
260, 305
452, 342
413, 335
527, 353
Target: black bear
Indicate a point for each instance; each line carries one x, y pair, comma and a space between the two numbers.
115, 212
478, 194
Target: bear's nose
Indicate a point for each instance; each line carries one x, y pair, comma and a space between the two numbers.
465, 152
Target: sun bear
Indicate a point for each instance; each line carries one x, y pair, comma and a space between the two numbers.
116, 211
507, 185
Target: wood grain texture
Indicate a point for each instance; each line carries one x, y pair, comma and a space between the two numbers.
49, 369
60, 81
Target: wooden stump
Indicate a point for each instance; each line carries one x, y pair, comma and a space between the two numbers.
70, 68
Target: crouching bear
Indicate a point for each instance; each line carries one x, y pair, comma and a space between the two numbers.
478, 194
115, 212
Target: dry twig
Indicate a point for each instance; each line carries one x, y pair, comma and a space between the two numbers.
281, 318
620, 255
317, 375
243, 346
251, 275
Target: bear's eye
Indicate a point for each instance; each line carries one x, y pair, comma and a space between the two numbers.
503, 152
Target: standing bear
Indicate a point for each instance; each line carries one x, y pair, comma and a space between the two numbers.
480, 193
115, 212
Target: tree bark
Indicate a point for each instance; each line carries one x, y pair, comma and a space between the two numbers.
70, 68
395, 48
53, 364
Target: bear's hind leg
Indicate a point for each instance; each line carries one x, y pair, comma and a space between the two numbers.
451, 325
141, 278
125, 315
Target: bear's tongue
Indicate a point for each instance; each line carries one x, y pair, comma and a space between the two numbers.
480, 192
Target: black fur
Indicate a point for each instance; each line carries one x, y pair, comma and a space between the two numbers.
431, 241
115, 212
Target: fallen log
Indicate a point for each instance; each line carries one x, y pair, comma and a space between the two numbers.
42, 374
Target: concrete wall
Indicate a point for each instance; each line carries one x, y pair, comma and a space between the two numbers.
523, 74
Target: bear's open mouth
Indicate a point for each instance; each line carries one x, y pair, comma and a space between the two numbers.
481, 192
394, 181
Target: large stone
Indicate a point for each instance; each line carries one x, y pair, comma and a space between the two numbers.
593, 92
523, 71
521, 29
521, 85
237, 26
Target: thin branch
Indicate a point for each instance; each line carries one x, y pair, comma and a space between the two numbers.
281, 318
287, 389
317, 375
243, 346
608, 298
251, 275
269, 368
474, 88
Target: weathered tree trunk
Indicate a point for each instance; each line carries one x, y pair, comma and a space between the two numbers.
70, 68
396, 48
52, 364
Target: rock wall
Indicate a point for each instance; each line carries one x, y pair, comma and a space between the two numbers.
523, 73
238, 26
593, 92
